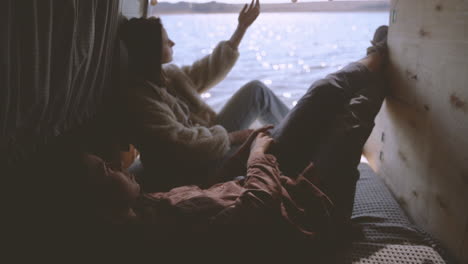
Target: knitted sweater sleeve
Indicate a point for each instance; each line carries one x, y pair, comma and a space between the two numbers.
210, 70
159, 122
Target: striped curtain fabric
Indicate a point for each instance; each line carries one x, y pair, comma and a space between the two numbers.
56, 58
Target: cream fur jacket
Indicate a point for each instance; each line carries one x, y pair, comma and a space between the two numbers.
173, 121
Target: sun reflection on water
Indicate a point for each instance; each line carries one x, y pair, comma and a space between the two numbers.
286, 51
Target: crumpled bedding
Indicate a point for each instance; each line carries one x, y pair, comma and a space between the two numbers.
388, 235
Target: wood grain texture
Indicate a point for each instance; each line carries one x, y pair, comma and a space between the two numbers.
424, 155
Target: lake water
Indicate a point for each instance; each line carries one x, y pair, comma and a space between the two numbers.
287, 51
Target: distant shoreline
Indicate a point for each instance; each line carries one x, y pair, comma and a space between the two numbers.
271, 12
165, 8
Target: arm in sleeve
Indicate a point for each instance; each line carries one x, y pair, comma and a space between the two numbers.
160, 123
210, 70
261, 197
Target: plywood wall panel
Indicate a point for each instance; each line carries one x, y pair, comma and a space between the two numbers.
420, 143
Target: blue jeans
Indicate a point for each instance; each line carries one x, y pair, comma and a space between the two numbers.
251, 102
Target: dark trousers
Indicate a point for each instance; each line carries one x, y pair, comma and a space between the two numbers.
329, 127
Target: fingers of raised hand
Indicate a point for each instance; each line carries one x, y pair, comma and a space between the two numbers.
249, 13
243, 9
257, 7
251, 6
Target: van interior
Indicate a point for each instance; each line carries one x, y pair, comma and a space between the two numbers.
63, 73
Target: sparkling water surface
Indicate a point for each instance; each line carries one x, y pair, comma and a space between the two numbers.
286, 51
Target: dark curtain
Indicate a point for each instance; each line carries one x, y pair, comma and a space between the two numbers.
56, 58
57, 77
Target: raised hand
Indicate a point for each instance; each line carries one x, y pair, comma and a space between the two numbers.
249, 14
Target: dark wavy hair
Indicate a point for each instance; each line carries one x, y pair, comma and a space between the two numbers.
142, 37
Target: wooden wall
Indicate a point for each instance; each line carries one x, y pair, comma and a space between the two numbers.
420, 143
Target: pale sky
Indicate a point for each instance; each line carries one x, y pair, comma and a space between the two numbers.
241, 1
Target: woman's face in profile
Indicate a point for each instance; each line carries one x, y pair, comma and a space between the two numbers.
167, 45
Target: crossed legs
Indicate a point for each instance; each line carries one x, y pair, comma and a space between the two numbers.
329, 127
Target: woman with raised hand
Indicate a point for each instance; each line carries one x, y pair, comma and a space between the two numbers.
177, 133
